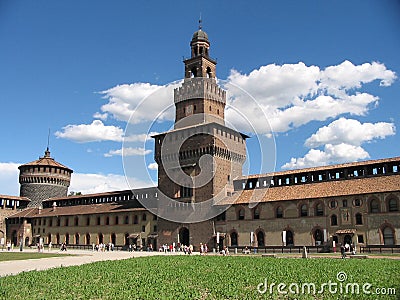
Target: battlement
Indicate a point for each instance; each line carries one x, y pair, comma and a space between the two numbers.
199, 88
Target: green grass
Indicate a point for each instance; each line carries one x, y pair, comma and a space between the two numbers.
199, 277
5, 256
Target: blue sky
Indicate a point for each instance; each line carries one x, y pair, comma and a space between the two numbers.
324, 74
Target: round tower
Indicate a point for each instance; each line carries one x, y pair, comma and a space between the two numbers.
43, 179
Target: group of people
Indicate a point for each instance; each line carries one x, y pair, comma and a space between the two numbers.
102, 247
347, 248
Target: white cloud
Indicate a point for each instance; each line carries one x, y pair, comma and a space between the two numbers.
289, 96
129, 151
331, 154
9, 178
100, 116
153, 166
98, 183
97, 131
94, 132
126, 102
342, 140
351, 132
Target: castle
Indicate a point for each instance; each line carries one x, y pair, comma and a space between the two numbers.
202, 196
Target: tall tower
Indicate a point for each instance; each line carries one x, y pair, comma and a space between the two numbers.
199, 159
43, 179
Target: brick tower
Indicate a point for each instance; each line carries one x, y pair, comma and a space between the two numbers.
43, 179
199, 159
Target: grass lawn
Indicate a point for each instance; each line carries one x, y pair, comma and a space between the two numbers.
4, 256
208, 277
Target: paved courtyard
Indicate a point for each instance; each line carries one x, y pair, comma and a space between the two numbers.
79, 257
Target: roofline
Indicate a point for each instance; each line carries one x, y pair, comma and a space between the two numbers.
322, 168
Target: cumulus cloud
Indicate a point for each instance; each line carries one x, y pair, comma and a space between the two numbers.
128, 151
97, 131
153, 166
98, 183
125, 102
293, 95
100, 116
341, 141
351, 132
331, 154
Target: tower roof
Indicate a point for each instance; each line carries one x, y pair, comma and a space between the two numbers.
200, 35
46, 161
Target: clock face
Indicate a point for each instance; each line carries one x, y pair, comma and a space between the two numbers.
189, 109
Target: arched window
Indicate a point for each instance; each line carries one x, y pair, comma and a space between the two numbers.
77, 238
87, 238
76, 221
319, 209
374, 206
392, 205
234, 239
359, 220
304, 210
279, 212
333, 220
107, 220
256, 213
193, 72
388, 236
144, 217
208, 72
135, 219
260, 239
241, 214
116, 220
126, 219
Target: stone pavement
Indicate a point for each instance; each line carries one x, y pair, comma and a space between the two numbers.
79, 257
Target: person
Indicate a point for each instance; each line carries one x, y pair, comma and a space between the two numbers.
343, 251
50, 245
8, 246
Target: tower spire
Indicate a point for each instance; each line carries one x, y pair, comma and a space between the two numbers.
200, 22
47, 152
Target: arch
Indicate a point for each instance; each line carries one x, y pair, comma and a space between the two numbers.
279, 212
348, 239
67, 238
256, 213
334, 220
359, 219
319, 209
77, 238
318, 236
113, 238
260, 238
184, 236
58, 238
374, 206
289, 237
87, 238
209, 74
387, 232
100, 238
14, 238
193, 72
240, 213
48, 238
126, 239
234, 238
392, 204
303, 210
